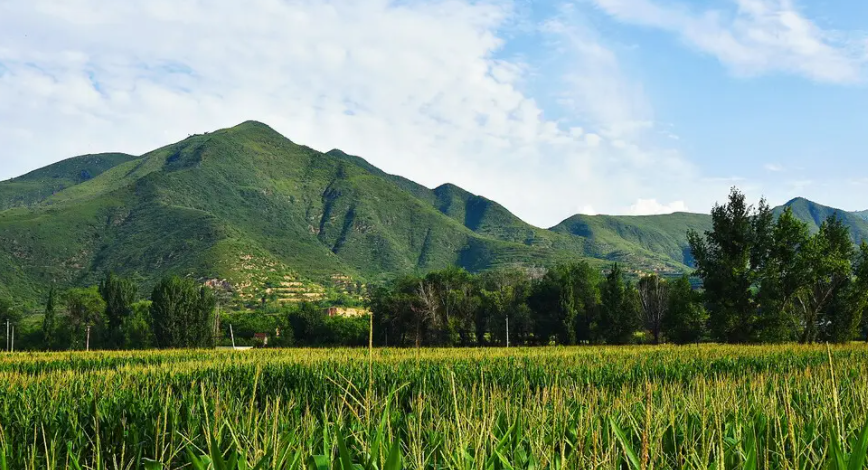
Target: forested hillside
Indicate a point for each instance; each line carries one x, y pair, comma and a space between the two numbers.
249, 206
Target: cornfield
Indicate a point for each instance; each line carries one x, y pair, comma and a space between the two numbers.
638, 408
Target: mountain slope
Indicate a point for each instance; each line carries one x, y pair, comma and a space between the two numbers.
249, 205
38, 185
630, 238
814, 214
236, 200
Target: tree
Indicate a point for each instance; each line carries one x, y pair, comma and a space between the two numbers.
137, 327
394, 309
565, 303
779, 277
86, 308
844, 314
455, 298
182, 313
502, 301
119, 295
619, 314
826, 261
685, 320
723, 262
654, 300
307, 323
49, 321
425, 310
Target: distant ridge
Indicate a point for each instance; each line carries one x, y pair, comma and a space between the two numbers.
248, 205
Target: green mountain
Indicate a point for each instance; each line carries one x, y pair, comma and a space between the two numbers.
814, 214
244, 204
38, 185
248, 205
636, 238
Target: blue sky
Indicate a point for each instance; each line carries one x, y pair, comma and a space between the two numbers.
549, 107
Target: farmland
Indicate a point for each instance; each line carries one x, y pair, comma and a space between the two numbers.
704, 406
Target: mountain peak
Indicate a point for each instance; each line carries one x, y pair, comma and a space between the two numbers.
251, 124
451, 188
337, 153
799, 200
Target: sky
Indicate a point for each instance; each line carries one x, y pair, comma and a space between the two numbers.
549, 107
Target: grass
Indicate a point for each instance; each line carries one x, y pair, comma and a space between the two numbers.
697, 407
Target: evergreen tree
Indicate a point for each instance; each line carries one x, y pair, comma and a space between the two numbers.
119, 295
49, 321
619, 314
723, 261
182, 314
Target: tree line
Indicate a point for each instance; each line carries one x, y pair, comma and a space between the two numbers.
179, 314
571, 303
763, 279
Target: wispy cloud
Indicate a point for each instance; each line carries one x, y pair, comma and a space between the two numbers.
773, 167
421, 89
651, 206
755, 37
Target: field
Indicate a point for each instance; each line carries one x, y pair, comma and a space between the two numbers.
788, 407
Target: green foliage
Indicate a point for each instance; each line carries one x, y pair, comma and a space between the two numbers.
85, 309
565, 302
668, 407
182, 314
8, 312
686, 319
119, 295
40, 184
619, 309
49, 322
138, 328
768, 280
723, 258
220, 199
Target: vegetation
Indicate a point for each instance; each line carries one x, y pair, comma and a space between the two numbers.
182, 314
249, 206
766, 279
770, 407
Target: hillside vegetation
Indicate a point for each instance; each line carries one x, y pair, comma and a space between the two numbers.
249, 206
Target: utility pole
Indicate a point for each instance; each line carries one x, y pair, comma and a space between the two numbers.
232, 334
87, 341
216, 324
507, 331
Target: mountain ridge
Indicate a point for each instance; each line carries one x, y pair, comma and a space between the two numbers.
250, 205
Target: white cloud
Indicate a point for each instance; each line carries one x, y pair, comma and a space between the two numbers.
760, 36
652, 207
773, 167
418, 88
587, 210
